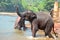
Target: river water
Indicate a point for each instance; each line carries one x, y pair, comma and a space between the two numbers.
7, 31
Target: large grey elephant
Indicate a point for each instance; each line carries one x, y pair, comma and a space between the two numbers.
38, 21
41, 21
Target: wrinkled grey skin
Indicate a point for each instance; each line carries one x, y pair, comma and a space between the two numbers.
40, 21
21, 22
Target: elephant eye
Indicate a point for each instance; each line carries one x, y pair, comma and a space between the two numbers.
24, 15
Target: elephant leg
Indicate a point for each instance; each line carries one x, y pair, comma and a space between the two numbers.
19, 27
24, 28
23, 25
34, 29
16, 26
48, 29
16, 22
47, 32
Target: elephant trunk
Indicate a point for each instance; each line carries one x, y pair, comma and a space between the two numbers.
17, 11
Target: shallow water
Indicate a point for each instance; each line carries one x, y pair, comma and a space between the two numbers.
7, 31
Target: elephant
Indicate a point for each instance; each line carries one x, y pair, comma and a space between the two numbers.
40, 21
20, 18
20, 22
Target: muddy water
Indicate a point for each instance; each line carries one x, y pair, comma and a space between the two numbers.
7, 31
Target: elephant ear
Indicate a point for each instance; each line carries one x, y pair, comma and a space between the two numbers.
51, 12
33, 16
17, 11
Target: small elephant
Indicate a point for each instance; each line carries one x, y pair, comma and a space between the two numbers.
40, 21
21, 20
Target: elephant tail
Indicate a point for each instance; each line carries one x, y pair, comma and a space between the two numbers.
17, 11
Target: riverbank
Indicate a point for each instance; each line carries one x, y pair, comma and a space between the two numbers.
8, 13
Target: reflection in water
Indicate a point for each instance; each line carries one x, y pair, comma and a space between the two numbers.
7, 31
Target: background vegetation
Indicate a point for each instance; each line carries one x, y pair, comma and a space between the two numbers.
34, 5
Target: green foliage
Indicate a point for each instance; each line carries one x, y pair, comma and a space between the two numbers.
34, 5
41, 5
38, 5
59, 4
49, 4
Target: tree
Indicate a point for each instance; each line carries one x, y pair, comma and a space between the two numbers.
49, 4
38, 5
34, 5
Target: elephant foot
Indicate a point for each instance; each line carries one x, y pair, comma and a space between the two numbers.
15, 27
24, 28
